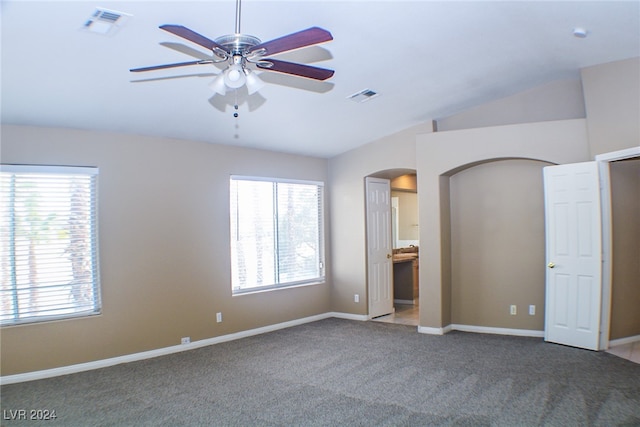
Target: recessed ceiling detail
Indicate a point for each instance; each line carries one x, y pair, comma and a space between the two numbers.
363, 95
105, 21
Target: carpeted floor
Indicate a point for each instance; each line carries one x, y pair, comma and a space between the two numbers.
341, 373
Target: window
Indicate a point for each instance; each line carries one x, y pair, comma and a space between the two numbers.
276, 233
48, 243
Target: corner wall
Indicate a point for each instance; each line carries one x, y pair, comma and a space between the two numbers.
612, 99
348, 227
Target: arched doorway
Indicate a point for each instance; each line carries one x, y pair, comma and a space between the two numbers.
498, 245
405, 248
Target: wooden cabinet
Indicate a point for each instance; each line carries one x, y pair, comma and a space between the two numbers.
405, 280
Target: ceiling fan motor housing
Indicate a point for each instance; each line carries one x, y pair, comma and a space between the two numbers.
237, 44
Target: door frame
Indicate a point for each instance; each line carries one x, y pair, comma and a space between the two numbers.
603, 161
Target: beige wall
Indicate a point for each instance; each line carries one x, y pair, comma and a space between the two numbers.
607, 95
441, 155
625, 214
557, 100
612, 99
164, 246
497, 244
395, 155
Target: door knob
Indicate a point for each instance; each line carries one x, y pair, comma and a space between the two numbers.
551, 265
388, 256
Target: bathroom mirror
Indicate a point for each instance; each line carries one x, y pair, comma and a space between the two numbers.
404, 219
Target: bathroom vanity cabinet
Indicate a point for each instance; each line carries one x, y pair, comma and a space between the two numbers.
405, 278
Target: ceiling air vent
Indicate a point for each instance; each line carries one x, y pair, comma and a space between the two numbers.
363, 95
105, 21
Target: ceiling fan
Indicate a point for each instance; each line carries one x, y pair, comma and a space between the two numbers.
241, 50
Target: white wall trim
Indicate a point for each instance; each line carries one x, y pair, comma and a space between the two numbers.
434, 331
498, 331
349, 316
104, 363
625, 340
618, 155
481, 330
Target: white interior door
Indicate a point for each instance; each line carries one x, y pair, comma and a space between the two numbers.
379, 247
574, 255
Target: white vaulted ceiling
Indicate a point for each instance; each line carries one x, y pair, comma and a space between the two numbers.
426, 59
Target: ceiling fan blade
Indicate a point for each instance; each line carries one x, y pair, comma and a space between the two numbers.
192, 36
296, 69
308, 37
177, 64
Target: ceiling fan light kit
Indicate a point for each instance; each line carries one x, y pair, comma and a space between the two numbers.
242, 50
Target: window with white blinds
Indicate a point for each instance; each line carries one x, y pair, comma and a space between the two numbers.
48, 243
276, 233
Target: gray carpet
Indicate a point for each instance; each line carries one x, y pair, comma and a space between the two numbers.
342, 373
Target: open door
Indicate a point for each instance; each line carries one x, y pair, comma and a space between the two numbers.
379, 247
574, 255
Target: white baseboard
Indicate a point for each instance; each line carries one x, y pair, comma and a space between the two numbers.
104, 363
625, 340
481, 330
498, 331
434, 331
348, 316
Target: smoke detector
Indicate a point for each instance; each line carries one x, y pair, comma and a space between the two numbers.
580, 33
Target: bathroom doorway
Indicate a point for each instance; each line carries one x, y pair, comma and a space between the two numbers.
405, 242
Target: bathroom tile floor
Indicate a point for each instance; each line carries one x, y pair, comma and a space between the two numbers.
407, 314
630, 351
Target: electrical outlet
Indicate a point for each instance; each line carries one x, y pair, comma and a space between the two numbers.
356, 298
532, 310
218, 317
513, 310
185, 340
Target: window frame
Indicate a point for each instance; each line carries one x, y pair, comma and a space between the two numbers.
321, 255
95, 303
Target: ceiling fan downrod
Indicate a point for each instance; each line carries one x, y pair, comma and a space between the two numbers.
237, 16
236, 43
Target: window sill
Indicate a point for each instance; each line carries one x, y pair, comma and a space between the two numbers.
275, 288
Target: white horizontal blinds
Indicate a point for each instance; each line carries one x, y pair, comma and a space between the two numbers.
48, 243
299, 214
276, 233
253, 254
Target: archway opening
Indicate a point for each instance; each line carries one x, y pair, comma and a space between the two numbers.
405, 237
